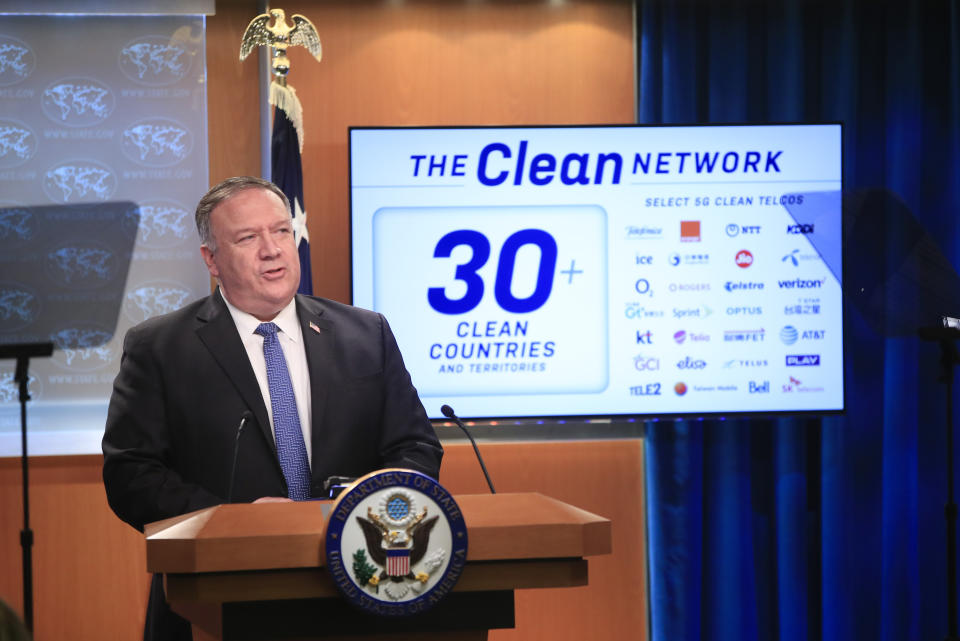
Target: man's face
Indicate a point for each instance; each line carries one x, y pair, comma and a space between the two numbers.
256, 259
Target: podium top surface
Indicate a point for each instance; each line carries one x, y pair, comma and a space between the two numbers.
235, 537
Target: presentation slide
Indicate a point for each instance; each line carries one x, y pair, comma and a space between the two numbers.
608, 270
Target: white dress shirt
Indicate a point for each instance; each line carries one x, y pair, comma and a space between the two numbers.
291, 341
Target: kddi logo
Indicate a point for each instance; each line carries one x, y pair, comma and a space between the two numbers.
800, 229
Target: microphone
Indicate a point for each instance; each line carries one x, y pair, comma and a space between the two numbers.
449, 413
236, 450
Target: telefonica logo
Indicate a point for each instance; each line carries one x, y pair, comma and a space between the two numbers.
643, 232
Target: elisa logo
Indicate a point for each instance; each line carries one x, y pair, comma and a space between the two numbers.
690, 231
690, 363
744, 258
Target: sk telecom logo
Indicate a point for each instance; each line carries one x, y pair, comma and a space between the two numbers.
690, 231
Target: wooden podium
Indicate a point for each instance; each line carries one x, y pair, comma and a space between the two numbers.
255, 572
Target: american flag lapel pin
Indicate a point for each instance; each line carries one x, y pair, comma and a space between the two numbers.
314, 327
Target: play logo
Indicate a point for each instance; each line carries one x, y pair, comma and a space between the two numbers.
803, 360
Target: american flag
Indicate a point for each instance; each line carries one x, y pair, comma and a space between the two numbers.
287, 174
398, 562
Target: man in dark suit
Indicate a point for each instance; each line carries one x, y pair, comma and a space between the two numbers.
188, 379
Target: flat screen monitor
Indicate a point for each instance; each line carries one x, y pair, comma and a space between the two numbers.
605, 270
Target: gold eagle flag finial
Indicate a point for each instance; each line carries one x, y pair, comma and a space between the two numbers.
279, 36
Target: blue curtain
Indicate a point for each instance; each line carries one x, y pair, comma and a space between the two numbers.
818, 528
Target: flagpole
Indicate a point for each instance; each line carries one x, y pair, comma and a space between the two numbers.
266, 110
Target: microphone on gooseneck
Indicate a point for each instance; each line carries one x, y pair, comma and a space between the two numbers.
236, 450
449, 413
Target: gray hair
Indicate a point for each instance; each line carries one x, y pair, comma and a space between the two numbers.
221, 192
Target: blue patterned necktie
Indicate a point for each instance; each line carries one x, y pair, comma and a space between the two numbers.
286, 421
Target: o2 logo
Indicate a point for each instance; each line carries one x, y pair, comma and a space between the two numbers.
467, 272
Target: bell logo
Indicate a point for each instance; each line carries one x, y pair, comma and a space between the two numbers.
760, 388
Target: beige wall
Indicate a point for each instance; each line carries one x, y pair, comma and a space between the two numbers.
385, 63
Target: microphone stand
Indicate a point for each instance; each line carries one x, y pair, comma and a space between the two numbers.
22, 354
949, 357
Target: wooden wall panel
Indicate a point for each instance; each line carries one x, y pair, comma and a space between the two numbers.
233, 94
89, 568
603, 477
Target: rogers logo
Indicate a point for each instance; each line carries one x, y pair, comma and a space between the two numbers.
744, 258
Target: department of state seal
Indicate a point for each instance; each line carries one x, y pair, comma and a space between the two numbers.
396, 542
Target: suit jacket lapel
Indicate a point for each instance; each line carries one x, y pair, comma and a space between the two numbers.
318, 343
219, 334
